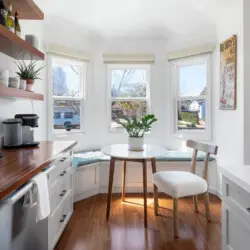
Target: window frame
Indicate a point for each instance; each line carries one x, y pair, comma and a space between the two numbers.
52, 133
111, 99
176, 64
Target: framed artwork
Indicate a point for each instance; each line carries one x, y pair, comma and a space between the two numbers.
228, 73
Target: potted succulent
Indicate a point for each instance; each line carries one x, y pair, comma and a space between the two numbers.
28, 72
136, 128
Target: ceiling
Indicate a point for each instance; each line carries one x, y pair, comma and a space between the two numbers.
138, 18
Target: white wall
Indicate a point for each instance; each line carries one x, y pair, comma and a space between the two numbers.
228, 130
246, 32
10, 107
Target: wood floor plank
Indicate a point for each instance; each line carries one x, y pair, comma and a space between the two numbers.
88, 228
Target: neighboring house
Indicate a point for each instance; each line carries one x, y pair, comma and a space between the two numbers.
199, 106
65, 118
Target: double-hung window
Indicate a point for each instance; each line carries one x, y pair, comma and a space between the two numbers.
67, 93
128, 91
191, 81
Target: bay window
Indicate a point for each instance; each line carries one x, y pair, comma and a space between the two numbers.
128, 91
191, 81
67, 93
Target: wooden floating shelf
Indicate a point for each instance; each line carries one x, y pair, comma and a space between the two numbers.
26, 9
14, 46
19, 93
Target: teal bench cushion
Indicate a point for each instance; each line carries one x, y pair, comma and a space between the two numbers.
173, 155
94, 156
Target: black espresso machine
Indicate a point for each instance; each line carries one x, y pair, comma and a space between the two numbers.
19, 132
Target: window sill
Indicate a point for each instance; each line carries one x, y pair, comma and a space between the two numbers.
64, 134
193, 134
117, 130
121, 130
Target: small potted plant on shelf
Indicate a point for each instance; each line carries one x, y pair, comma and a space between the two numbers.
28, 72
136, 128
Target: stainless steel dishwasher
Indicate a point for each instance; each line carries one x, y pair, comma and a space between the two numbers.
18, 227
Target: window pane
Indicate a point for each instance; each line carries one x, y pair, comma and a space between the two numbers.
66, 114
191, 114
121, 109
193, 80
66, 78
128, 82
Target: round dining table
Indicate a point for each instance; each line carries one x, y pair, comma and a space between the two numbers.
121, 152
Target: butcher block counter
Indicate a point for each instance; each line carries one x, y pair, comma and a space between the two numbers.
19, 165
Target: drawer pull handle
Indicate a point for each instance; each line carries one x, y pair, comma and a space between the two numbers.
63, 193
248, 209
63, 159
63, 173
63, 218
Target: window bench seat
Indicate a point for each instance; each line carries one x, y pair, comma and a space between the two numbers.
93, 156
92, 171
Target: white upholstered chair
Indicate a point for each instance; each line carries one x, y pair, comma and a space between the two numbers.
181, 183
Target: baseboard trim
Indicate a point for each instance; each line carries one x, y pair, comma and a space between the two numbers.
104, 190
215, 192
86, 194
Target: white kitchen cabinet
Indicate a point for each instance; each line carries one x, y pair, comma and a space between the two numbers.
235, 216
235, 230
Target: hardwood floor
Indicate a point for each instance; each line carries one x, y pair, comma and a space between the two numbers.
89, 230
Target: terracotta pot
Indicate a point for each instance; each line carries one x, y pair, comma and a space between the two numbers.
29, 84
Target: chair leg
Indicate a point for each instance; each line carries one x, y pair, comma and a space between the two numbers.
176, 219
195, 198
206, 202
156, 204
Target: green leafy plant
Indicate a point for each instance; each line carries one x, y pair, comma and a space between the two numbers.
135, 126
28, 71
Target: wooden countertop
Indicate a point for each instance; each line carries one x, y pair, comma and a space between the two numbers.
21, 164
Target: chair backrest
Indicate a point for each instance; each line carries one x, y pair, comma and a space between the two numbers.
206, 148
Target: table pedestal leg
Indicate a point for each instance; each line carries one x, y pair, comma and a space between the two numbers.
111, 177
124, 169
144, 170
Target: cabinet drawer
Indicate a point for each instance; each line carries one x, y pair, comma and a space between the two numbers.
59, 169
237, 197
60, 190
59, 219
235, 230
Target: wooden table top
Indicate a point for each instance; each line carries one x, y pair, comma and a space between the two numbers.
19, 165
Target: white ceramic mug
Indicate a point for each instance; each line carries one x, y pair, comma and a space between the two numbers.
14, 82
4, 82
4, 74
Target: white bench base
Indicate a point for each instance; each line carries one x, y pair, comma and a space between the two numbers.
92, 179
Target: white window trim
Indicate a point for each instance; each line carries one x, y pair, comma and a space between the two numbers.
109, 68
191, 134
52, 133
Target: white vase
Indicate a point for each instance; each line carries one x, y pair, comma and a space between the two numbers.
22, 84
135, 143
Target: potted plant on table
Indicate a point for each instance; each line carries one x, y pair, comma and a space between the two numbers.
136, 128
28, 72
